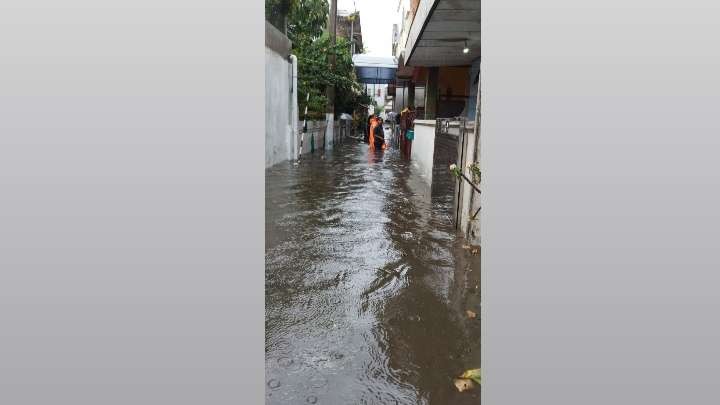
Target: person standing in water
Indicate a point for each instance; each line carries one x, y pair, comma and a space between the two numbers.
379, 135
373, 126
371, 129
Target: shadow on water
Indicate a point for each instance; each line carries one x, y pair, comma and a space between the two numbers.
366, 284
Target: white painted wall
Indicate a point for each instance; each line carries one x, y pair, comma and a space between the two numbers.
472, 90
423, 148
279, 141
316, 130
329, 130
470, 198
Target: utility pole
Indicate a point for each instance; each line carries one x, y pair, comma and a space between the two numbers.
330, 90
352, 35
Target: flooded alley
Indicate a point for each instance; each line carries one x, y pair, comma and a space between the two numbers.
367, 285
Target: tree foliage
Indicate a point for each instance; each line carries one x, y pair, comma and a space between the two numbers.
276, 13
306, 22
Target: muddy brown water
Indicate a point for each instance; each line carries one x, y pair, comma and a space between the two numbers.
366, 283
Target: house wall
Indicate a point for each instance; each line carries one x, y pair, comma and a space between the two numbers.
278, 132
469, 199
423, 148
454, 79
316, 134
345, 27
280, 101
452, 87
473, 227
472, 89
400, 100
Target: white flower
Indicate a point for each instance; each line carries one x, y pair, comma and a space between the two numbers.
453, 167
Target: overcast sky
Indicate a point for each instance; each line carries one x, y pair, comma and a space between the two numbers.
376, 20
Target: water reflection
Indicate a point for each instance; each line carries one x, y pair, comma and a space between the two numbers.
365, 284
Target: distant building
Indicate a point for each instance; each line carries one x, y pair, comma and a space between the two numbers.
395, 38
348, 25
377, 73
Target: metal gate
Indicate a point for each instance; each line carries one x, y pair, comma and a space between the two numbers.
456, 128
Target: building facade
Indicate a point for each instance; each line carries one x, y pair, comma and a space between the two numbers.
348, 26
438, 49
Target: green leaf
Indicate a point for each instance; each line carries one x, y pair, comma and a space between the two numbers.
307, 20
473, 374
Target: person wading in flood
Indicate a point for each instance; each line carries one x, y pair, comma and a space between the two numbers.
407, 123
369, 129
377, 135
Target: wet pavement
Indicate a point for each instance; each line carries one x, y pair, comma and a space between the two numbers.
366, 283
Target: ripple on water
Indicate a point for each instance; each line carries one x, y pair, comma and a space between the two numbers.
274, 383
332, 225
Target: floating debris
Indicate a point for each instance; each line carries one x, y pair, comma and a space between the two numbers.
392, 272
472, 374
463, 384
285, 362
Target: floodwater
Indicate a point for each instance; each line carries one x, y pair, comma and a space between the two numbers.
366, 283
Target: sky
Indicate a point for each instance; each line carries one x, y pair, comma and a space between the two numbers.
376, 18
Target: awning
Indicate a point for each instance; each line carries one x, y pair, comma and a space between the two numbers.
375, 69
444, 33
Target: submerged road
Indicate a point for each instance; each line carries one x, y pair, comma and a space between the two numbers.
366, 283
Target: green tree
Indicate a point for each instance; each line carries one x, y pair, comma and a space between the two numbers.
276, 13
307, 20
306, 24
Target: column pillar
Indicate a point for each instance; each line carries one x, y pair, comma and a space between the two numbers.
431, 93
411, 94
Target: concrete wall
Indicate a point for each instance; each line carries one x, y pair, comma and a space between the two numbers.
278, 132
400, 102
316, 132
469, 199
423, 148
472, 90
455, 79
472, 227
460, 146
279, 98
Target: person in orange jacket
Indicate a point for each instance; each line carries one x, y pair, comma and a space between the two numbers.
366, 137
371, 137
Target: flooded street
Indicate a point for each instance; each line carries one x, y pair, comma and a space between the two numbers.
367, 285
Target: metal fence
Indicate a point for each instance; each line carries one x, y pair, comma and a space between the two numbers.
314, 138
460, 130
